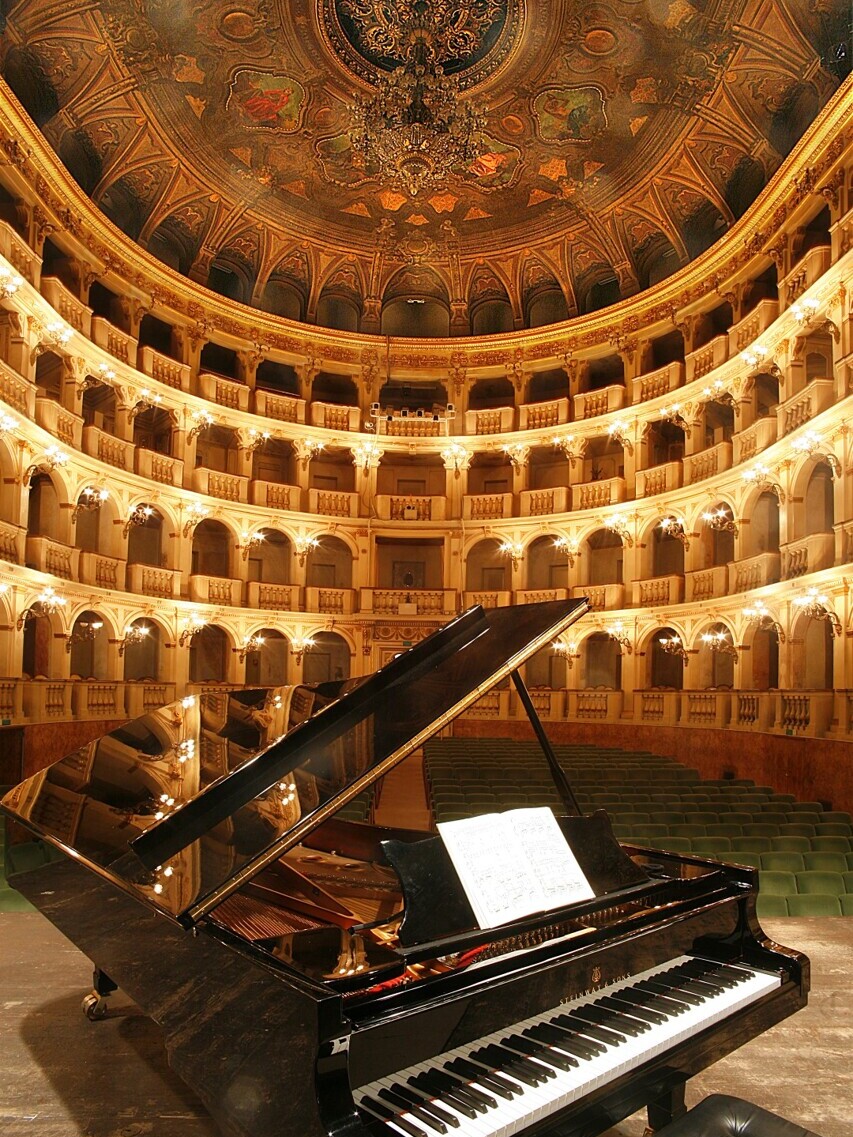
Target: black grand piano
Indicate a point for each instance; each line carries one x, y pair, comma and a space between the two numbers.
318, 976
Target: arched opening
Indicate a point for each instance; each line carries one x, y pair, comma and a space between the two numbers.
597, 289
329, 565
548, 386
217, 449
88, 646
546, 306
145, 542
122, 206
48, 376
717, 535
232, 277
490, 474
765, 659
328, 660
416, 304
94, 527
268, 667
813, 660
339, 312
604, 557
42, 509
36, 648
655, 260
546, 670
667, 348
487, 394
702, 229
486, 568
765, 396
819, 501
716, 657
666, 669
211, 552
418, 399
603, 459
745, 184
269, 562
667, 553
153, 429
209, 655
603, 661
719, 421
340, 390
284, 297
416, 564
99, 408
763, 531
664, 443
142, 657
548, 468
274, 461
547, 565
175, 244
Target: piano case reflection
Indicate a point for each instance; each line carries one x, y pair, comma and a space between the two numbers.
315, 976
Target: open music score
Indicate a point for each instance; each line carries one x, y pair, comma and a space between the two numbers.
514, 864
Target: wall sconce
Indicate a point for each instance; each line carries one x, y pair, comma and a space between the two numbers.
811, 443
455, 458
717, 392
308, 448
566, 443
249, 541
133, 634
138, 515
672, 645
299, 645
762, 477
674, 527
618, 524
251, 644
672, 414
804, 311
760, 615
303, 544
145, 401
47, 603
815, 605
720, 520
56, 333
618, 633
200, 420
517, 454
514, 550
570, 546
84, 630
567, 650
254, 440
195, 513
10, 282
8, 425
757, 357
89, 501
618, 432
366, 456
193, 624
719, 643
54, 459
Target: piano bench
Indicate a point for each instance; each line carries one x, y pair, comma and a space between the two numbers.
722, 1116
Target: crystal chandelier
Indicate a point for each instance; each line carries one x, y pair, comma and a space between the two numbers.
416, 127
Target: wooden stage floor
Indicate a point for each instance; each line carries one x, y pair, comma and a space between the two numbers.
63, 1076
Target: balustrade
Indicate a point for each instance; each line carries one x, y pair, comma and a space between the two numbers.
334, 417
333, 503
706, 708
591, 404
214, 589
659, 590
330, 601
283, 408
65, 427
49, 556
165, 370
753, 572
215, 483
809, 554
486, 506
542, 416
119, 344
707, 584
73, 311
747, 330
101, 571
107, 448
150, 580
698, 363
544, 503
708, 463
281, 597
659, 479
656, 383
595, 495
275, 495
159, 467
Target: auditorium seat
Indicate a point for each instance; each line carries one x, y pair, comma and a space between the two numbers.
824, 883
814, 904
783, 862
777, 883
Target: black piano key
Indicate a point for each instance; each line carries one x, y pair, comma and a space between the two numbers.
600, 1033
381, 1110
657, 1002
424, 1101
661, 992
537, 1050
416, 1109
684, 986
704, 987
626, 1008
478, 1101
728, 976
503, 1062
499, 1085
519, 1062
660, 987
478, 1094
602, 1017
567, 1040
460, 1104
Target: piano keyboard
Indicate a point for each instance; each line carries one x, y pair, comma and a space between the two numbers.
501, 1084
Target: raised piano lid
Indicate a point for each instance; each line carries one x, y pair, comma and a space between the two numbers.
183, 805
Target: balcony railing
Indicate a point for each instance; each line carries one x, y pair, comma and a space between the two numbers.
49, 556
496, 421
72, 310
215, 483
286, 597
698, 363
800, 409
101, 571
747, 330
152, 580
283, 408
487, 598
601, 597
275, 495
809, 554
748, 443
65, 427
334, 601
331, 416
119, 344
659, 590
333, 503
753, 572
544, 503
706, 708
659, 707
107, 448
541, 416
159, 467
214, 589
165, 370
707, 584
591, 404
594, 705
409, 602
486, 506
391, 507
698, 467
659, 479
656, 383
594, 495
224, 392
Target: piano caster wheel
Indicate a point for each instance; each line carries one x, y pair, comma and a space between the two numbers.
94, 1007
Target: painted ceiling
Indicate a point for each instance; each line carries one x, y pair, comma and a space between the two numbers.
619, 132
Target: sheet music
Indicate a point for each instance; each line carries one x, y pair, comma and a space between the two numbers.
514, 864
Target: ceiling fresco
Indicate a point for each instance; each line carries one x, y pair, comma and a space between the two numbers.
622, 137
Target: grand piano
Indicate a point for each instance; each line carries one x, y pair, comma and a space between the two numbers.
315, 975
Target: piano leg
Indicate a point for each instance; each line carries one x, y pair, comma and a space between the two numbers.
95, 1003
666, 1108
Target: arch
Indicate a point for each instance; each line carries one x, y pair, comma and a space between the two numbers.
812, 652
702, 229
95, 528
231, 275
762, 658
49, 373
218, 448
717, 544
99, 407
667, 553
154, 429
270, 561
762, 533
79, 156
329, 564
597, 287
543, 300
211, 549
175, 244
209, 652
270, 666
486, 394
601, 660
43, 507
23, 71
547, 670
489, 305
145, 544
716, 665
744, 184
819, 500
328, 660
486, 568
288, 287
143, 660
664, 669
341, 299
122, 206
547, 565
88, 645
416, 303
602, 558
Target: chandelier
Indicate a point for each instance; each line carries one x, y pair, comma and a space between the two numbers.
415, 128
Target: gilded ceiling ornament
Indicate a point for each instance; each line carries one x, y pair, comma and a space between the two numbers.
458, 28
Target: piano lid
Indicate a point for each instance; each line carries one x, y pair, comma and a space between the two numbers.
181, 806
